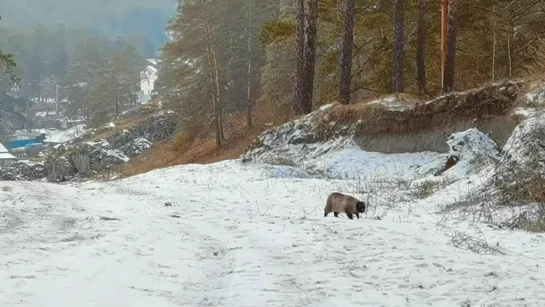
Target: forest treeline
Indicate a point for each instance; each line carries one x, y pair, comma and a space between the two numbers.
109, 18
281, 57
289, 56
92, 75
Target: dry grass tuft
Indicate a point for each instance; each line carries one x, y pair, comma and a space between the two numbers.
426, 189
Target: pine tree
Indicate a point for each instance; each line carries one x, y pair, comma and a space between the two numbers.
300, 83
452, 33
306, 55
421, 49
346, 51
399, 47
118, 86
84, 72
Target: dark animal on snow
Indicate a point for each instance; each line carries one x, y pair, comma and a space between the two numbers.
337, 202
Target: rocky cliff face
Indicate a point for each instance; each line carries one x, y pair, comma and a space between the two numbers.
92, 154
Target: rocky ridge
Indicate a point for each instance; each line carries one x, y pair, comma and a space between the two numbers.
98, 150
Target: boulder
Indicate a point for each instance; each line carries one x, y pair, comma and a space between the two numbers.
93, 157
135, 147
60, 170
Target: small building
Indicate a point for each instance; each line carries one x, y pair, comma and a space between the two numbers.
6, 158
26, 144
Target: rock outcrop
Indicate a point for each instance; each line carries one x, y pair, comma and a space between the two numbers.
457, 134
296, 140
135, 147
396, 125
94, 157
60, 170
85, 158
100, 149
157, 126
23, 170
82, 160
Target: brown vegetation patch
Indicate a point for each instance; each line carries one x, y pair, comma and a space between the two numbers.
202, 150
522, 187
497, 99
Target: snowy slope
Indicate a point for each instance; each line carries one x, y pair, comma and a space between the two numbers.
253, 235
147, 80
67, 135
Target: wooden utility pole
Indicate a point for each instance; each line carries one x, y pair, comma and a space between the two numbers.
444, 27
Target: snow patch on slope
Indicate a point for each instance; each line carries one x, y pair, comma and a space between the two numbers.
147, 80
473, 151
67, 135
527, 141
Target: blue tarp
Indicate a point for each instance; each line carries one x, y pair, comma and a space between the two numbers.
24, 143
20, 143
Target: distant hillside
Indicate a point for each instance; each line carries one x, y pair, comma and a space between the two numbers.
111, 17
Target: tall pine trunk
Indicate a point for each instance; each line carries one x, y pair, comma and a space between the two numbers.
421, 50
215, 83
300, 66
346, 51
494, 28
310, 55
450, 62
218, 93
399, 47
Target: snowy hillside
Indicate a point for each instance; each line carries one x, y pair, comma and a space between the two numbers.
251, 232
239, 234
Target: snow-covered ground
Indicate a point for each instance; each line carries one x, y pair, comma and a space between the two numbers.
235, 234
67, 135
